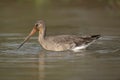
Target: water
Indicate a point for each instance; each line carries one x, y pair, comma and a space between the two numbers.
100, 61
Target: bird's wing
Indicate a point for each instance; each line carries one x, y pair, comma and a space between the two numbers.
68, 39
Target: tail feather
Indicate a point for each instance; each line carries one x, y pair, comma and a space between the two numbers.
95, 36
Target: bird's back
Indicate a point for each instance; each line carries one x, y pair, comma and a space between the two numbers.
67, 42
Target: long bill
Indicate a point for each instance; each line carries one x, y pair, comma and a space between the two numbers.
34, 30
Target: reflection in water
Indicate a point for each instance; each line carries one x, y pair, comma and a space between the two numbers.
41, 69
99, 61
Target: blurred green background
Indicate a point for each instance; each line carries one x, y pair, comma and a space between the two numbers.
85, 16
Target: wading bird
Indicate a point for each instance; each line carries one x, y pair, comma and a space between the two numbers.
60, 42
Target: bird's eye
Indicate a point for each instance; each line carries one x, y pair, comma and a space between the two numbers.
36, 25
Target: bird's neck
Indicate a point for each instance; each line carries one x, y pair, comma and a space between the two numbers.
42, 35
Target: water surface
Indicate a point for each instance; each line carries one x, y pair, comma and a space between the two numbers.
100, 61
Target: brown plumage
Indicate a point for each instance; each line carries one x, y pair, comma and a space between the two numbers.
60, 42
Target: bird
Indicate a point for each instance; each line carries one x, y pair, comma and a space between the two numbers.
60, 42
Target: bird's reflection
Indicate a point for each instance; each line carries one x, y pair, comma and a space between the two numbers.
41, 63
